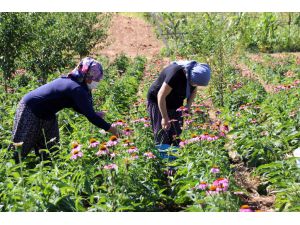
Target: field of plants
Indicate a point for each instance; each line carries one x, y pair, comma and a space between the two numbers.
238, 140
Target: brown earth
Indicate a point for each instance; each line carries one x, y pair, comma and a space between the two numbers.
279, 55
244, 179
246, 72
131, 36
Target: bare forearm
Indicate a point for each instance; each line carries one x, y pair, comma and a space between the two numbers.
162, 105
191, 99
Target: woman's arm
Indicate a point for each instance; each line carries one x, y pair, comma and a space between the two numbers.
83, 105
191, 99
164, 91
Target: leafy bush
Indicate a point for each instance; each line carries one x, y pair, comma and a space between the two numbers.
13, 36
44, 43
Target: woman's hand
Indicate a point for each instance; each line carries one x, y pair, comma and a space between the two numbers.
165, 123
114, 131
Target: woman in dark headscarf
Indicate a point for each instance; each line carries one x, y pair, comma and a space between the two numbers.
35, 122
176, 82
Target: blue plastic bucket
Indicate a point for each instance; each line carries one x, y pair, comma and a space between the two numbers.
165, 151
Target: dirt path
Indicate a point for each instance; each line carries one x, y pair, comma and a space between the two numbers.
129, 35
242, 175
282, 55
244, 179
246, 72
258, 58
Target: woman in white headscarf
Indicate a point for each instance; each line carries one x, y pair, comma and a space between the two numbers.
176, 82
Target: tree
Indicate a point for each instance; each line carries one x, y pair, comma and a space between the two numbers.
13, 35
85, 30
48, 49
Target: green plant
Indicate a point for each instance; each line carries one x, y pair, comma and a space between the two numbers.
13, 36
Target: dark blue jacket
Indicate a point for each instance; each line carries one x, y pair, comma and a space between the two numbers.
61, 93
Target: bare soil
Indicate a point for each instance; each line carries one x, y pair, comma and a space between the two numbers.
278, 55
246, 72
131, 36
250, 183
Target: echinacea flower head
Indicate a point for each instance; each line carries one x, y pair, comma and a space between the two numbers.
296, 82
222, 184
113, 155
103, 146
195, 138
149, 155
127, 143
182, 143
145, 119
204, 136
202, 186
181, 109
215, 169
113, 140
133, 149
218, 123
222, 134
212, 190
220, 180
147, 124
215, 126
198, 111
93, 143
75, 153
187, 122
242, 107
102, 153
224, 127
245, 208
119, 123
212, 137
102, 150
136, 120
134, 156
76, 148
75, 144
111, 166
127, 131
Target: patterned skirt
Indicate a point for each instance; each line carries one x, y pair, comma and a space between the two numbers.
161, 136
35, 133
